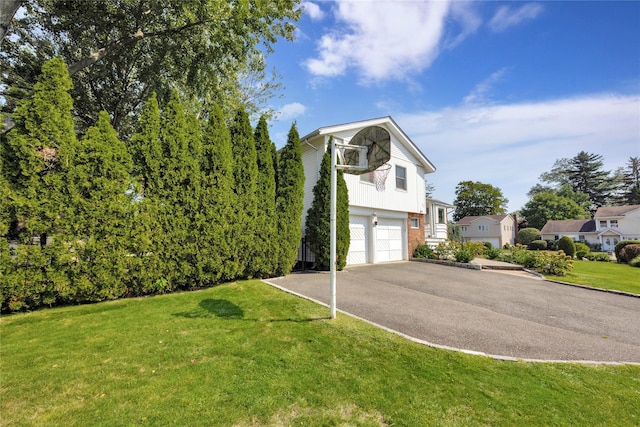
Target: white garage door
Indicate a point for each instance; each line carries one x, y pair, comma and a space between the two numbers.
389, 240
358, 248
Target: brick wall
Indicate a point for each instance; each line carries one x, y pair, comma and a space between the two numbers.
415, 235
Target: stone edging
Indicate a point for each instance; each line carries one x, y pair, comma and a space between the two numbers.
449, 263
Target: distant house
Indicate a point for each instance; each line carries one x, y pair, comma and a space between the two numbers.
610, 225
495, 229
580, 230
387, 224
436, 227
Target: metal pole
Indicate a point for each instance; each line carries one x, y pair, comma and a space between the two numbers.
332, 259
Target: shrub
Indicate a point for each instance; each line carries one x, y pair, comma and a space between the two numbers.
446, 250
597, 256
630, 252
537, 245
463, 254
567, 245
424, 251
476, 248
493, 253
552, 245
487, 245
548, 262
621, 245
528, 235
635, 262
581, 250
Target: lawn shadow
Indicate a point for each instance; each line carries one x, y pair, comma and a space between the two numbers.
225, 309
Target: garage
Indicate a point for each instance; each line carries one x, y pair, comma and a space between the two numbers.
389, 240
359, 246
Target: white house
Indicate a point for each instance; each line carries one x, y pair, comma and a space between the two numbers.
385, 225
610, 225
436, 227
495, 229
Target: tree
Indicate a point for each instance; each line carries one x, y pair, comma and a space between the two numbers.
585, 174
289, 201
549, 206
119, 51
429, 188
265, 262
631, 180
528, 235
476, 199
319, 220
218, 201
567, 245
39, 150
245, 174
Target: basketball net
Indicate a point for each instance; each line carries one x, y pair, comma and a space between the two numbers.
379, 176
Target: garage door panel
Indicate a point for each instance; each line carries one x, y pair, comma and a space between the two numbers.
389, 240
358, 248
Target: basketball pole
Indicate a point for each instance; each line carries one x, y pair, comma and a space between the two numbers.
332, 226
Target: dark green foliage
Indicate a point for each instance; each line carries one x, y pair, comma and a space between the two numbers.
552, 245
537, 245
264, 264
585, 174
318, 218
245, 173
546, 206
463, 255
528, 235
635, 262
476, 198
567, 245
629, 252
631, 181
289, 201
598, 256
215, 224
424, 251
582, 250
622, 244
487, 245
493, 253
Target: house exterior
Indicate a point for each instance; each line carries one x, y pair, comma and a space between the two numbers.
436, 227
610, 225
580, 230
385, 225
495, 229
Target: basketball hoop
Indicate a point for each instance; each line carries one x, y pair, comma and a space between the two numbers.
379, 176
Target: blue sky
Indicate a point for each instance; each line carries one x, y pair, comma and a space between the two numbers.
489, 91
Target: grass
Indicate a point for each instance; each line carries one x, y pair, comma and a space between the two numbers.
246, 354
605, 275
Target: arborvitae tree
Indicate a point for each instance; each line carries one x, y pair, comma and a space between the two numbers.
146, 273
245, 173
102, 213
178, 202
39, 150
289, 202
218, 201
265, 262
318, 231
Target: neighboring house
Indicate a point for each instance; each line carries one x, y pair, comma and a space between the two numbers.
580, 230
385, 225
436, 227
616, 223
495, 229
610, 225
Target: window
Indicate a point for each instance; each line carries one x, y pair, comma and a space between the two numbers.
603, 224
614, 223
463, 228
581, 237
401, 178
441, 216
483, 227
415, 223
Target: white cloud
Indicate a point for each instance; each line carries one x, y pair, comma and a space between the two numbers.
312, 10
479, 94
388, 40
507, 16
510, 145
291, 111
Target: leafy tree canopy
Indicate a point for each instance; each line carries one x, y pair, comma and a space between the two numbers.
119, 51
477, 198
550, 206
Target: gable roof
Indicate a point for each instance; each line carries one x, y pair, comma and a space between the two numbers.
386, 122
608, 211
569, 226
469, 219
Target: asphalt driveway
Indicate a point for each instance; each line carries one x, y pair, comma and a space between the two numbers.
501, 315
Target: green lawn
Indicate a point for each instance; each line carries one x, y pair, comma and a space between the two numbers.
247, 354
605, 275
